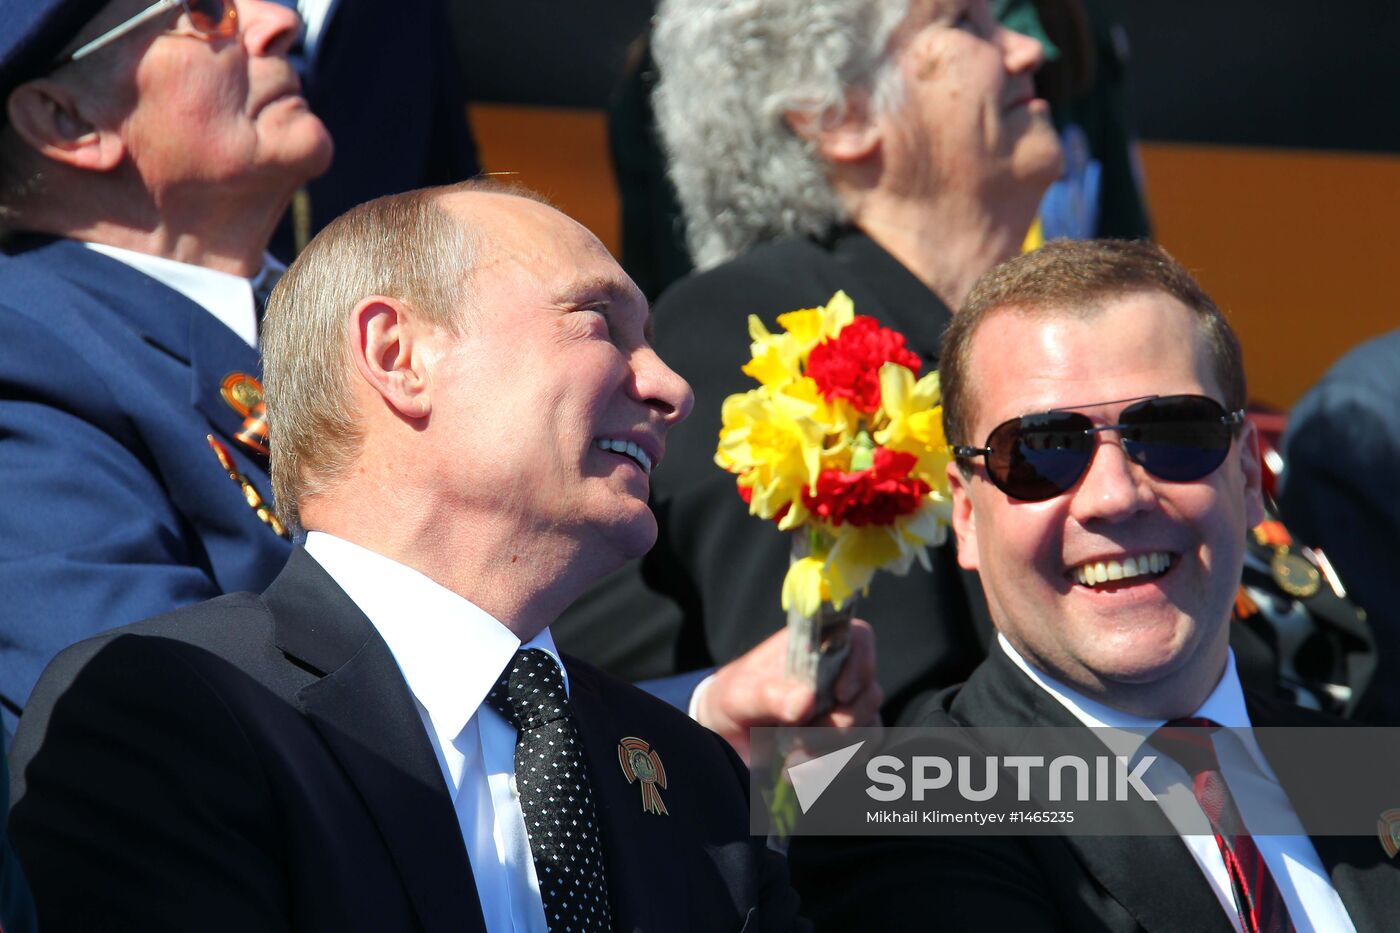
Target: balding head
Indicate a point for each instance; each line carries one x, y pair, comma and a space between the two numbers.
408, 246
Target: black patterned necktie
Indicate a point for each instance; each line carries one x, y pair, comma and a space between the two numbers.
555, 796
1257, 896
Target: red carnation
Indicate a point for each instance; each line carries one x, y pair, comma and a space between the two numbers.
849, 366
876, 496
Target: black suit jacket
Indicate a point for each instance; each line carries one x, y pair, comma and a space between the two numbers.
1060, 883
258, 763
709, 590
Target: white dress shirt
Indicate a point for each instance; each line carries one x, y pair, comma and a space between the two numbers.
228, 297
1313, 903
451, 654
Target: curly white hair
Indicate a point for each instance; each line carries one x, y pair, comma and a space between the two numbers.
730, 73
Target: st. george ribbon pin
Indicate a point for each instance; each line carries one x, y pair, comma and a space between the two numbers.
641, 763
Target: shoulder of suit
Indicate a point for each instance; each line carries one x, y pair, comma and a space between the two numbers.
225, 626
619, 693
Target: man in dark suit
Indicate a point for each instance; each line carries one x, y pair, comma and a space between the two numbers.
466, 409
1104, 483
144, 159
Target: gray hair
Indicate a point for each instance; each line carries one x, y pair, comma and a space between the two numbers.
404, 246
730, 72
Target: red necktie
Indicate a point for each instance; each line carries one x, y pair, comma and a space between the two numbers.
1257, 896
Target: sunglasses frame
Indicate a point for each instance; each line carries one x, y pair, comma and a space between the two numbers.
228, 26
1231, 419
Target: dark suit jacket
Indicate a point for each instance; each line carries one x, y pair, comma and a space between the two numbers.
710, 588
396, 127
258, 763
1054, 883
116, 508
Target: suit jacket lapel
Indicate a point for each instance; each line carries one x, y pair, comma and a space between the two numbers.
165, 319
1154, 878
365, 713
634, 841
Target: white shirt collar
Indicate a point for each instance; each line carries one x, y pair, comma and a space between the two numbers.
450, 651
228, 297
1225, 705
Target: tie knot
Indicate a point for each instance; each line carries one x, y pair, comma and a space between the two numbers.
1188, 741
530, 691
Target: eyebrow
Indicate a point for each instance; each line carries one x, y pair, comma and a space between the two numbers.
612, 289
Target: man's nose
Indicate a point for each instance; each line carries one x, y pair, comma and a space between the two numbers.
1113, 486
661, 387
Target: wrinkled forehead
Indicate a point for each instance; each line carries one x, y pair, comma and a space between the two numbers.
1088, 358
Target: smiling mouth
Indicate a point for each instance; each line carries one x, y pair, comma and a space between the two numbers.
628, 449
1130, 571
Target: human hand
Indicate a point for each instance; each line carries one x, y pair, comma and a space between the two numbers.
753, 690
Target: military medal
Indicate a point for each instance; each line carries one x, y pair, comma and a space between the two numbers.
244, 394
1294, 573
250, 493
641, 763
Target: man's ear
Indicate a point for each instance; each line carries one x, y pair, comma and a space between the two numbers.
964, 518
1251, 464
853, 137
387, 342
54, 121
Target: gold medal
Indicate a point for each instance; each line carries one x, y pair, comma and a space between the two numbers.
244, 394
641, 763
1294, 574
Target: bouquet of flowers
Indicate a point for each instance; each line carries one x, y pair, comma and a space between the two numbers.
841, 443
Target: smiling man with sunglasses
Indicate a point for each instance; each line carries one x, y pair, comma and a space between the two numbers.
1103, 486
147, 150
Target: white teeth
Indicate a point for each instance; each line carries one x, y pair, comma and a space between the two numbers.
629, 448
1098, 572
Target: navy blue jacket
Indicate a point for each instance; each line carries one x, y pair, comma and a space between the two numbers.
116, 507
1341, 456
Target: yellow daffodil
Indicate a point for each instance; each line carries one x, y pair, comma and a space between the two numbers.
771, 439
804, 587
915, 423
859, 552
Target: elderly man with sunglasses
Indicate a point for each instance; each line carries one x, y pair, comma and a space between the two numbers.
1104, 483
146, 152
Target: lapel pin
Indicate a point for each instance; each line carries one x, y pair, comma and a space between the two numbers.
1388, 828
244, 394
641, 763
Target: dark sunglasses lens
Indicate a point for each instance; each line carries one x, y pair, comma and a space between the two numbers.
1037, 457
1176, 438
212, 17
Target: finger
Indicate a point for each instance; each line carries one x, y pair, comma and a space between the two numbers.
864, 711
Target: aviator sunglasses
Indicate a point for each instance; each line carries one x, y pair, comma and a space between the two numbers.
1177, 438
210, 19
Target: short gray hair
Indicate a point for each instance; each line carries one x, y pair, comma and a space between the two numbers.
404, 246
729, 72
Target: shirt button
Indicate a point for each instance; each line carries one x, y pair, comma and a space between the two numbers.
514, 788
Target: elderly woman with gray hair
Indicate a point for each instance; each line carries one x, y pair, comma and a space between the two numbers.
894, 149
